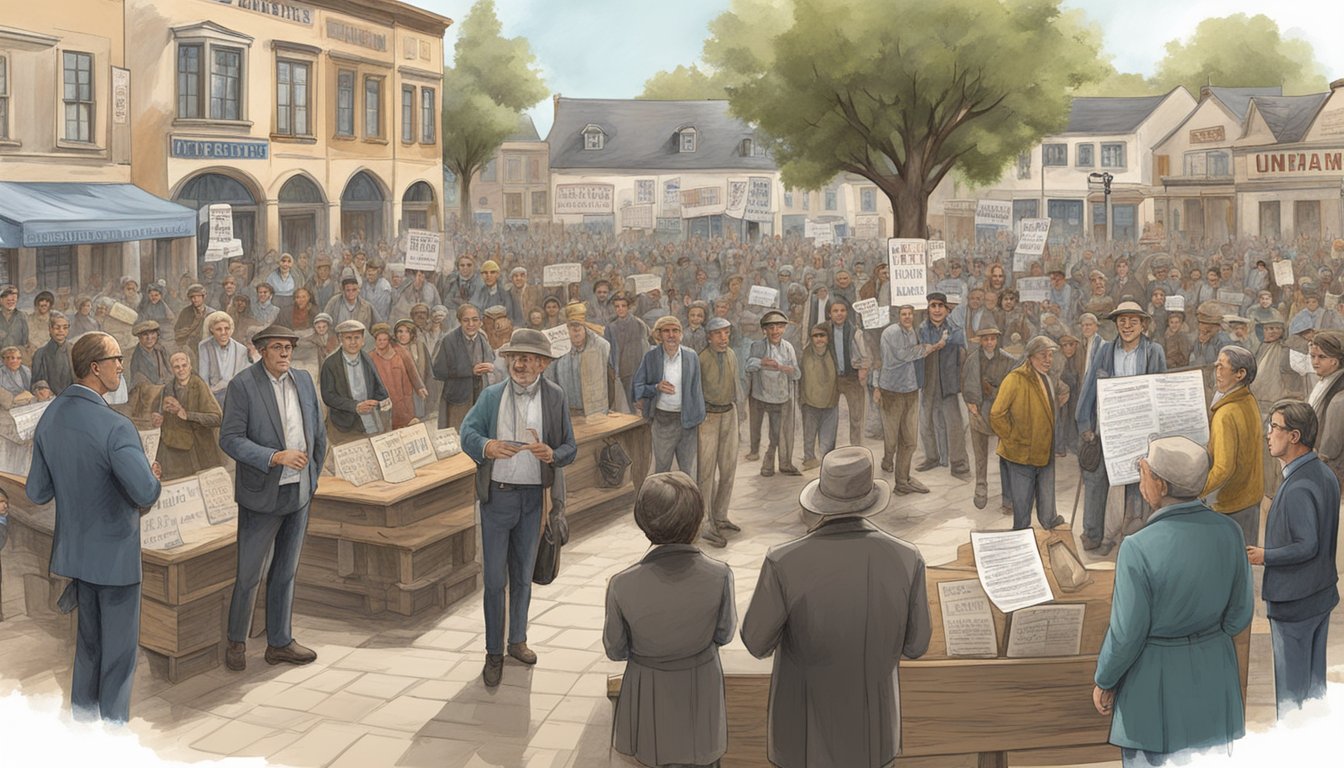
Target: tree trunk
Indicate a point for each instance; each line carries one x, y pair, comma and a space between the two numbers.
464, 199
910, 209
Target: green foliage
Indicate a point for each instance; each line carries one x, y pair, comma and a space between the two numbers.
492, 80
684, 83
1240, 51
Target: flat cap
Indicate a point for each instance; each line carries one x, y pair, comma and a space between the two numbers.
774, 317
490, 266
937, 296
144, 326
495, 311
195, 288
666, 321
717, 324
350, 326
275, 332
380, 328
322, 317
1182, 463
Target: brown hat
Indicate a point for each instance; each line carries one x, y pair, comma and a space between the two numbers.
380, 328
666, 321
323, 260
528, 341
195, 288
988, 329
576, 312
275, 332
144, 326
774, 317
1209, 312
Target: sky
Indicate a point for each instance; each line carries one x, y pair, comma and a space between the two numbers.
608, 48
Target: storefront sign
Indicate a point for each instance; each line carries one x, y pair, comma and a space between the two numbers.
994, 213
1207, 135
583, 198
758, 199
220, 150
1328, 162
701, 201
121, 95
364, 38
959, 208
292, 12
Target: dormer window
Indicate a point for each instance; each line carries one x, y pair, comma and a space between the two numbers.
686, 140
746, 149
593, 137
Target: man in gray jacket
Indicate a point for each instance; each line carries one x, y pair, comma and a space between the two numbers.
834, 697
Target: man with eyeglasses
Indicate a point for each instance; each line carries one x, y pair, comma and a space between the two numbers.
88, 458
273, 429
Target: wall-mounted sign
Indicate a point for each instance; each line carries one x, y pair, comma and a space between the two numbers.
1208, 135
121, 95
584, 198
219, 150
292, 12
364, 38
1331, 123
1262, 165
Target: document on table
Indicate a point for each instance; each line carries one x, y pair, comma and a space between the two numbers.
1046, 630
968, 624
356, 462
1010, 568
390, 453
1134, 410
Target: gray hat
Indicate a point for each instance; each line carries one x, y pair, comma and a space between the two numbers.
351, 326
717, 324
1128, 308
41, 384
528, 341
1182, 463
144, 326
774, 316
785, 270
846, 485
1040, 344
275, 332
322, 317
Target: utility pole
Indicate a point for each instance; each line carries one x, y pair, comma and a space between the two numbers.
1105, 179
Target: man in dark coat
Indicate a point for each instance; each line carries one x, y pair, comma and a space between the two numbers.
51, 363
463, 361
351, 389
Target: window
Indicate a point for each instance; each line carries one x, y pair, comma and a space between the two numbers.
488, 172
1024, 209
513, 169
408, 113
189, 81
78, 96
830, 200
1024, 165
807, 202
686, 142
55, 268
226, 68
345, 103
1113, 155
747, 149
373, 107
4, 98
8, 260
1055, 154
1216, 162
1084, 155
593, 138
427, 113
534, 172
210, 67
788, 198
291, 99
539, 203
868, 200
513, 205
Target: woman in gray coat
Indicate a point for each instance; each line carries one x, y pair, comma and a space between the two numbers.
667, 615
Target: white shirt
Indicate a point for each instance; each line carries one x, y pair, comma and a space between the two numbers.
1126, 363
672, 375
291, 416
517, 414
1322, 386
228, 363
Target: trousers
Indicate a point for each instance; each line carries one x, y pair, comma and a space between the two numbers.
937, 414
718, 462
510, 532
781, 430
852, 390
900, 425
105, 646
671, 439
1028, 485
1299, 660
819, 431
1097, 525
258, 534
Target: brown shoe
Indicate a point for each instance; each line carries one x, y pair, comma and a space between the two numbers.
290, 654
789, 469
713, 537
235, 658
521, 652
494, 669
728, 525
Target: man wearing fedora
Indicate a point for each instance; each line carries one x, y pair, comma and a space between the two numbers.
1167, 668
981, 377
772, 372
1023, 416
1130, 353
837, 641
272, 427
667, 393
1209, 341
519, 434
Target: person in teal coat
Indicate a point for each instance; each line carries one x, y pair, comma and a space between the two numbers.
1167, 668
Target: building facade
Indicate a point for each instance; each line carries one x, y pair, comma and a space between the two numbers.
514, 188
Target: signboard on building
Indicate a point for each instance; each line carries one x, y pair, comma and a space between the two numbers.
1278, 165
668, 225
219, 150
994, 213
1208, 135
758, 199
121, 95
959, 208
867, 227
908, 273
701, 201
364, 38
1331, 123
644, 191
737, 198
221, 244
422, 250
584, 198
672, 197
637, 217
292, 12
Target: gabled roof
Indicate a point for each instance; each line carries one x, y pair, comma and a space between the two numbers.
526, 130
1238, 100
1289, 117
641, 134
1111, 114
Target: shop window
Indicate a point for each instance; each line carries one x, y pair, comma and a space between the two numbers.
1307, 218
428, 134
77, 96
56, 268
1055, 154
1113, 155
373, 107
513, 205
345, 103
1024, 165
1269, 220
408, 113
788, 198
7, 262
292, 98
832, 201
539, 203
1083, 155
868, 200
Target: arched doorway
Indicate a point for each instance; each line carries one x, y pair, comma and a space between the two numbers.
208, 188
362, 205
302, 209
418, 207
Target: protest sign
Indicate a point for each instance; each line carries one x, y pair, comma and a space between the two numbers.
1175, 303
1135, 410
1283, 273
737, 198
1033, 288
355, 462
937, 251
26, 418
872, 314
908, 273
422, 250
149, 440
562, 274
763, 296
993, 213
1235, 298
559, 338
646, 282
758, 199
1030, 242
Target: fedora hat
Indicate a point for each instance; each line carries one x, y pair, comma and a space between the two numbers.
846, 485
275, 332
526, 341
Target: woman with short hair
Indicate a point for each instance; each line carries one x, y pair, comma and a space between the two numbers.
671, 707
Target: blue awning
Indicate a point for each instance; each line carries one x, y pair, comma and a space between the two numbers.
42, 214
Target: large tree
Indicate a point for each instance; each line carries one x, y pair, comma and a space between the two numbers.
1240, 50
492, 80
902, 91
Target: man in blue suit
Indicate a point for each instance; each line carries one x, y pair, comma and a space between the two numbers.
89, 459
667, 392
273, 429
1299, 587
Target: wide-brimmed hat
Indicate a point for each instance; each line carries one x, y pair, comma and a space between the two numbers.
1128, 308
846, 485
526, 341
275, 332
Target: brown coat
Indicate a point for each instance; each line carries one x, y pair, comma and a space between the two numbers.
190, 445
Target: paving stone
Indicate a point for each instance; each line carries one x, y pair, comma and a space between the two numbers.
319, 746
346, 707
404, 713
380, 686
330, 680
579, 639
371, 750
557, 735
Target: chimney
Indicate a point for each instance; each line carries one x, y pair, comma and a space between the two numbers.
1205, 91
555, 106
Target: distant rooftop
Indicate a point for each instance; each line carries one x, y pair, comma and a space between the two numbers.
1110, 114
1238, 100
642, 134
1289, 117
526, 130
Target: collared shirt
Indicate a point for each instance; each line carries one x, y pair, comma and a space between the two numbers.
1126, 363
1297, 463
672, 375
354, 374
291, 417
776, 386
519, 411
838, 334
900, 350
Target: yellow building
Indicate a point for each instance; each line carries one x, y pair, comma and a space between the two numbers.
315, 120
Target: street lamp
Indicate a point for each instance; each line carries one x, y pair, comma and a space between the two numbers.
1105, 179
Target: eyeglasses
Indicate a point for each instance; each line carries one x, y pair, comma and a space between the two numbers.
118, 358
280, 347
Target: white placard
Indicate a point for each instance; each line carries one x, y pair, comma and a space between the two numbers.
446, 442
758, 199
1033, 288
968, 624
1300, 362
763, 296
415, 440
221, 223
672, 198
908, 273
637, 217
217, 491
702, 201
562, 274
1010, 568
121, 95
355, 462
1235, 298
422, 250
1175, 303
1283, 273
123, 313
737, 198
26, 418
823, 233
149, 440
574, 199
182, 500
559, 338
1134, 410
872, 314
1030, 242
1046, 630
937, 251
391, 457
158, 530
994, 213
645, 282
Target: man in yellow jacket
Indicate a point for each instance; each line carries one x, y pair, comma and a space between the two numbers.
1023, 416
1236, 443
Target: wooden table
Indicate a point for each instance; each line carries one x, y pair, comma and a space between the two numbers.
1035, 711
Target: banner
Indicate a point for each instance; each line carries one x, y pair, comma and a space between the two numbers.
562, 274
672, 198
758, 199
701, 201
1283, 273
221, 243
763, 296
422, 250
637, 217
575, 199
909, 275
1030, 242
994, 213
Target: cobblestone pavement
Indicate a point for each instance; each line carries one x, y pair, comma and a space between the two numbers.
392, 691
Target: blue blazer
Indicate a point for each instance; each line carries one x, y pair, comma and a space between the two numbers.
1152, 359
478, 428
1300, 540
949, 357
89, 459
645, 385
252, 432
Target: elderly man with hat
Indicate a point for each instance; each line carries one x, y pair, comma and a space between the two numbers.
519, 434
981, 377
629, 339
149, 361
315, 347
1023, 416
189, 330
323, 284
1167, 670
584, 372
1130, 353
717, 453
351, 389
940, 427
273, 429
837, 640
666, 391
1209, 341
376, 290
772, 372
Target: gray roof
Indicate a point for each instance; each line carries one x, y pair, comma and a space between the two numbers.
1238, 100
1110, 114
526, 130
641, 135
1289, 117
